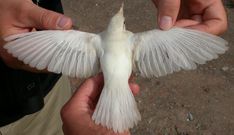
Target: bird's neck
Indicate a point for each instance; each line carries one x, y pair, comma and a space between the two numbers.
114, 30
114, 34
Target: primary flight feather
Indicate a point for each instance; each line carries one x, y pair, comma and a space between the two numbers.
116, 52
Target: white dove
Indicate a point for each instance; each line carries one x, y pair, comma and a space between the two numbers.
115, 52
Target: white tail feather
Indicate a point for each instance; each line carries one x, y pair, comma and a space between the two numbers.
116, 108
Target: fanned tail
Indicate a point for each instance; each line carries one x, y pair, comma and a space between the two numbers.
116, 108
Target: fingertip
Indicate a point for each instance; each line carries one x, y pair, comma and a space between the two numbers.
98, 78
165, 23
64, 22
167, 13
41, 18
97, 82
135, 88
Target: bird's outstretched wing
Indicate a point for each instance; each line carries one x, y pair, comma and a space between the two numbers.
157, 53
70, 52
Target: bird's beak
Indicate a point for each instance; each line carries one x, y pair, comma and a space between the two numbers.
121, 9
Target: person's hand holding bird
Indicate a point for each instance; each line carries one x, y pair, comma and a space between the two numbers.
116, 52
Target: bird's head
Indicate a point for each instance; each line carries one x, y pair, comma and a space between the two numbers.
117, 22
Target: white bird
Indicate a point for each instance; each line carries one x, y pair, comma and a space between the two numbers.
116, 52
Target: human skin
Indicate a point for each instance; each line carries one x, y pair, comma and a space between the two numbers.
23, 16
19, 16
203, 15
77, 112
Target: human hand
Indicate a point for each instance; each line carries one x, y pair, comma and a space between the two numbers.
77, 112
19, 16
204, 15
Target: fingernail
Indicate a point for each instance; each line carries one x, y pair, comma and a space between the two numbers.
165, 22
62, 21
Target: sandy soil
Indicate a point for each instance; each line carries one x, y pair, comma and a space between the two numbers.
199, 102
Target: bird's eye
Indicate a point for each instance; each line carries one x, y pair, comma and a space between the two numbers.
124, 22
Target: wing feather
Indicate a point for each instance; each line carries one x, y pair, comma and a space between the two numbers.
70, 52
157, 53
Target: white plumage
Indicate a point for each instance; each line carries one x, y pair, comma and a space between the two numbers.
115, 52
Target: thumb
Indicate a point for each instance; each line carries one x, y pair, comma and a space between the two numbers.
92, 87
45, 19
89, 89
168, 11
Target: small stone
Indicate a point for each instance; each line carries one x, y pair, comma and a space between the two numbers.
225, 68
198, 126
182, 105
139, 101
189, 117
206, 89
150, 120
157, 83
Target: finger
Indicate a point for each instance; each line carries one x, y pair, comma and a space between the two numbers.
167, 12
208, 17
124, 133
90, 89
197, 18
45, 19
135, 88
214, 19
186, 23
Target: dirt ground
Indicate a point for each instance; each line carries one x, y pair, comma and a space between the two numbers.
199, 102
